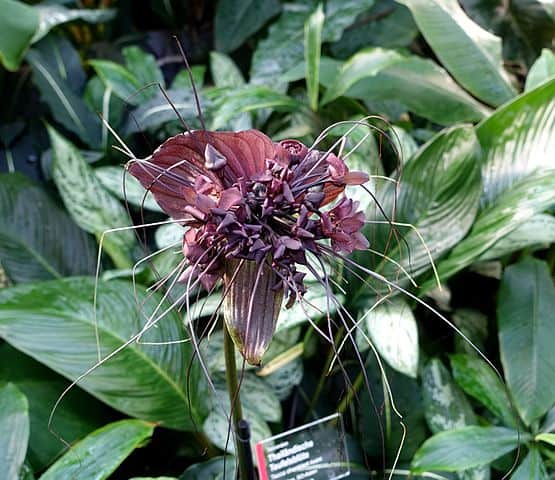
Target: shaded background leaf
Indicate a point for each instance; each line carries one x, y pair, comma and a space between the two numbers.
38, 240
61, 334
14, 431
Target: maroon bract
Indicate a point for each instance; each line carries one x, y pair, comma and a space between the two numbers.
254, 209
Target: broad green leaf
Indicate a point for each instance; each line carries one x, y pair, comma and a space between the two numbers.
536, 232
256, 396
212, 469
531, 468
67, 108
91, 206
286, 378
51, 16
513, 208
122, 82
54, 323
366, 63
14, 431
470, 53
79, 415
62, 57
525, 307
158, 111
438, 195
391, 327
424, 87
542, 71
251, 98
403, 142
465, 448
316, 304
445, 405
134, 193
546, 437
447, 408
387, 24
217, 429
169, 234
237, 20
100, 453
548, 423
18, 24
312, 52
478, 380
183, 78
378, 423
101, 99
225, 72
474, 325
283, 48
144, 68
38, 240
517, 141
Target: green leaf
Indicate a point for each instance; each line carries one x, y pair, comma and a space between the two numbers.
67, 108
38, 240
283, 48
51, 16
474, 325
478, 380
123, 83
366, 63
387, 24
54, 323
250, 98
548, 438
312, 52
517, 140
80, 413
536, 232
112, 180
391, 327
225, 72
237, 20
62, 57
445, 405
542, 71
158, 111
405, 145
256, 397
217, 429
212, 469
14, 431
447, 408
90, 205
100, 98
374, 419
18, 25
512, 209
144, 68
531, 468
425, 88
470, 53
100, 453
525, 307
465, 447
438, 195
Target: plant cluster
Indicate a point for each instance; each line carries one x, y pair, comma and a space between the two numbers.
420, 293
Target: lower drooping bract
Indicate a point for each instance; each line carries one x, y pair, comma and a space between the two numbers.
253, 208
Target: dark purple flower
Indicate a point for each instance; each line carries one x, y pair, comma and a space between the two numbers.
254, 209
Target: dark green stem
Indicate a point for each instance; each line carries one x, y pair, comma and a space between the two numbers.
235, 400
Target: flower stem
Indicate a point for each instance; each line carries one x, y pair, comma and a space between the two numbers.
243, 455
